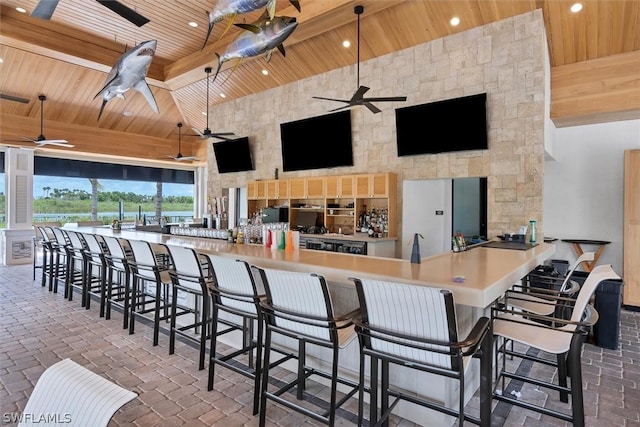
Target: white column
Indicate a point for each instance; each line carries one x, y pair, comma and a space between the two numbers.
16, 243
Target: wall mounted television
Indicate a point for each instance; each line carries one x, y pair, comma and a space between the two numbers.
317, 142
457, 124
233, 155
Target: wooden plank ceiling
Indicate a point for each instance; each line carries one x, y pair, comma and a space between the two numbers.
67, 58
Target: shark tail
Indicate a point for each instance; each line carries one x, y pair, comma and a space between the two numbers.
104, 102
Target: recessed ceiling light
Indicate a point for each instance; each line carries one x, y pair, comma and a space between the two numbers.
455, 21
193, 24
576, 7
21, 9
222, 95
204, 113
127, 114
346, 43
265, 72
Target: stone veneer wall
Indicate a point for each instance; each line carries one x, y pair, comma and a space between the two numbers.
504, 59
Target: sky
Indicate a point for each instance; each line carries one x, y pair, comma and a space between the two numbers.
137, 187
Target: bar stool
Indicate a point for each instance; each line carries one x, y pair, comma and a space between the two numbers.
95, 277
76, 265
559, 337
298, 306
118, 285
60, 263
234, 291
535, 299
44, 240
149, 290
188, 277
415, 327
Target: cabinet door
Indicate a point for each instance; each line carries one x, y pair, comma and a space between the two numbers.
262, 189
283, 189
362, 185
252, 190
272, 189
346, 186
297, 188
332, 187
315, 188
379, 185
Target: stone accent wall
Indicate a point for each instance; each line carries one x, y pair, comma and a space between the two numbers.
504, 59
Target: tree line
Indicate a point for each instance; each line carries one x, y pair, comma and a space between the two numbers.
110, 196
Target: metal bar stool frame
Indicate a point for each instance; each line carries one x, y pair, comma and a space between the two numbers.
415, 327
307, 323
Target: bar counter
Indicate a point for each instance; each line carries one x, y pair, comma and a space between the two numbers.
487, 272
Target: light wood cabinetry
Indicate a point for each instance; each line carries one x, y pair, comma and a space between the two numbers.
631, 268
340, 186
277, 189
338, 199
306, 188
252, 189
374, 185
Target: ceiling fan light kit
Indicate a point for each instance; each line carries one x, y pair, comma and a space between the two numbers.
358, 96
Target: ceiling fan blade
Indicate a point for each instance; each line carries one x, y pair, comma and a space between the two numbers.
341, 108
44, 9
14, 98
331, 99
222, 135
371, 107
124, 11
56, 142
359, 93
385, 99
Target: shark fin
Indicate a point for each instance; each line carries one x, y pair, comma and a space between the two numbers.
281, 49
271, 8
104, 102
249, 27
268, 55
144, 89
106, 86
295, 4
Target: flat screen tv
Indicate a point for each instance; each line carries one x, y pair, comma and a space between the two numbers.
458, 124
233, 155
317, 142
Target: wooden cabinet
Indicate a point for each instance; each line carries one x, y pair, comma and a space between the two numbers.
306, 188
376, 185
339, 186
338, 199
631, 244
277, 189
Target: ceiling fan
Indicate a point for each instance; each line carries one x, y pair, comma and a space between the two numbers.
179, 157
41, 140
14, 98
206, 133
45, 8
358, 96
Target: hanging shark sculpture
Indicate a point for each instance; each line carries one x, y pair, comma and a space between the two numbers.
130, 72
262, 36
231, 8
